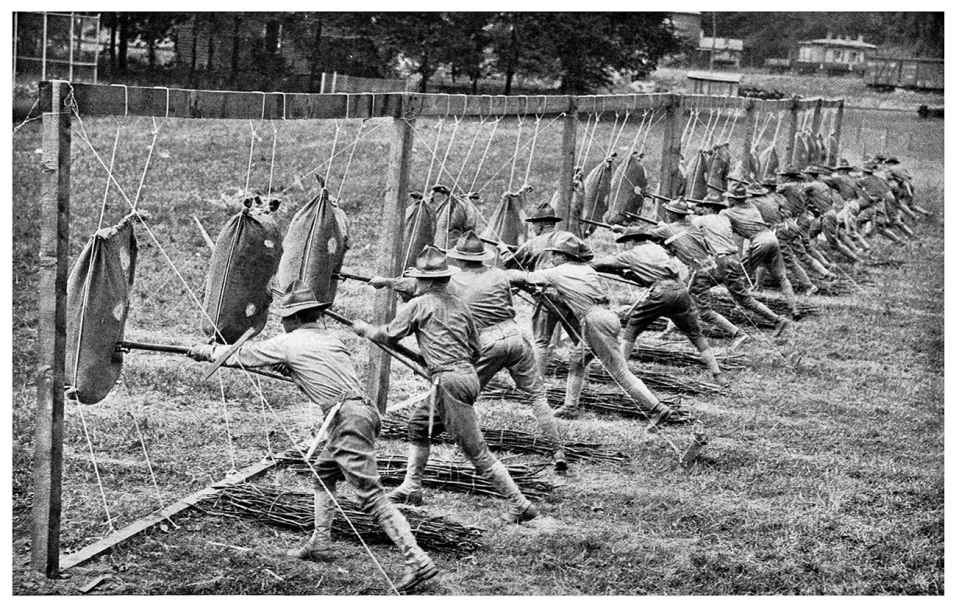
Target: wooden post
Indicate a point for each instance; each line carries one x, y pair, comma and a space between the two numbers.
817, 117
792, 131
670, 144
53, 263
391, 252
750, 125
838, 130
565, 193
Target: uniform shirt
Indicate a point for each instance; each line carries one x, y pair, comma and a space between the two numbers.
487, 294
443, 326
319, 364
685, 241
717, 231
795, 203
745, 220
532, 255
577, 284
874, 185
769, 207
645, 262
845, 185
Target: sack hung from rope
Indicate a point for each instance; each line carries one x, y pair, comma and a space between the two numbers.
832, 148
750, 166
769, 162
244, 259
628, 175
697, 175
719, 167
819, 149
419, 230
597, 189
454, 217
314, 247
507, 220
801, 151
97, 300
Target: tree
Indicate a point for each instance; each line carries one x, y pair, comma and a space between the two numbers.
466, 48
420, 39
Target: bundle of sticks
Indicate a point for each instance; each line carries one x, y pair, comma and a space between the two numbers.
603, 401
725, 305
654, 379
395, 426
450, 475
664, 355
294, 510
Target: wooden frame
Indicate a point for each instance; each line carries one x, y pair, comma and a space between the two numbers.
401, 107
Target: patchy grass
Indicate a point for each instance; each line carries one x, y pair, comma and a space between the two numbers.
825, 468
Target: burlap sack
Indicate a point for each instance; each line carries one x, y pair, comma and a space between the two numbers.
597, 188
419, 230
697, 175
314, 247
97, 297
243, 261
506, 223
452, 218
801, 151
769, 162
719, 168
628, 175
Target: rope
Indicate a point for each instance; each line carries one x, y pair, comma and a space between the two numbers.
348, 163
431, 164
328, 161
149, 466
335, 141
96, 471
514, 157
198, 304
225, 416
587, 149
471, 148
484, 155
28, 118
272, 160
451, 142
106, 191
252, 144
627, 161
149, 159
580, 145
534, 141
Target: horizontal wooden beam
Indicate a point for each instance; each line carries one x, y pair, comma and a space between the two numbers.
439, 104
106, 544
620, 103
162, 102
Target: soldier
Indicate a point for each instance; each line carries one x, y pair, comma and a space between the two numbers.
487, 294
764, 250
887, 215
533, 255
592, 326
772, 208
795, 204
902, 183
728, 270
855, 202
649, 264
321, 366
448, 340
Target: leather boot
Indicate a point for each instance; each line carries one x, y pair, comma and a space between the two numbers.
319, 547
658, 415
419, 567
410, 490
545, 416
576, 376
521, 508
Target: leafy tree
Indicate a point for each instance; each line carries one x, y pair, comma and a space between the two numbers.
467, 46
421, 39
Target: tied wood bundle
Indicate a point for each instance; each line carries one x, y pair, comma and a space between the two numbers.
294, 510
605, 402
654, 379
451, 476
653, 353
395, 426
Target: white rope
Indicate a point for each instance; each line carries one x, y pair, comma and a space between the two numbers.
534, 141
230, 442
96, 470
484, 155
329, 160
431, 164
149, 467
106, 190
348, 163
272, 160
587, 149
252, 144
335, 141
514, 156
471, 148
583, 140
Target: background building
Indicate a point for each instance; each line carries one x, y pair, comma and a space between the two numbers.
833, 54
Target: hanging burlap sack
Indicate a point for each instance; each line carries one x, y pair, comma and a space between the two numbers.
719, 168
597, 188
244, 259
769, 162
452, 218
697, 175
832, 147
628, 175
97, 299
419, 230
801, 151
506, 223
314, 247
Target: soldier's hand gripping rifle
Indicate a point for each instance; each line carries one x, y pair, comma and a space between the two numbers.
128, 345
400, 353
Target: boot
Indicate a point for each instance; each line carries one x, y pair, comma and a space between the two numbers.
658, 415
410, 490
739, 338
419, 567
560, 462
319, 547
569, 410
521, 508
710, 360
549, 428
722, 323
782, 325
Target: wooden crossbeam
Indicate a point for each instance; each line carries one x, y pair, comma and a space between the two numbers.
106, 544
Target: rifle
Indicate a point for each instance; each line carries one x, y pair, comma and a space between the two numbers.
660, 197
641, 218
352, 277
498, 244
403, 354
599, 224
127, 345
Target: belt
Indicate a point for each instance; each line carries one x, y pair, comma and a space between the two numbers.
501, 329
452, 367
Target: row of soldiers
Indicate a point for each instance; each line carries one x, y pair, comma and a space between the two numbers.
460, 307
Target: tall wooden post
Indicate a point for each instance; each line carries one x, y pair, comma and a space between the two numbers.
53, 265
670, 144
838, 130
569, 138
392, 250
792, 131
750, 125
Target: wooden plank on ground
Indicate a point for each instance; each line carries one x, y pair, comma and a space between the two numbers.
104, 545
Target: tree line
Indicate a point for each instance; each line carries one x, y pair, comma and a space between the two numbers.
574, 52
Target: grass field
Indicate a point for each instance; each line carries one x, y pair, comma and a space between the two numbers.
824, 473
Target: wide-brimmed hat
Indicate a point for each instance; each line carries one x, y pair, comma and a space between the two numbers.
756, 190
571, 246
790, 171
679, 207
297, 297
416, 195
843, 165
879, 156
469, 247
892, 161
431, 263
737, 191
637, 233
441, 189
712, 200
543, 213
769, 182
868, 167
